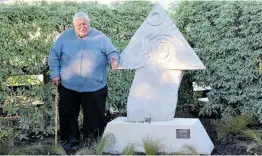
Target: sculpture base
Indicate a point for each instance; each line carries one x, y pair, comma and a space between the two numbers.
174, 135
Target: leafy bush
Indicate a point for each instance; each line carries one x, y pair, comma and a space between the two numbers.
26, 35
227, 37
233, 125
6, 133
28, 31
6, 139
45, 148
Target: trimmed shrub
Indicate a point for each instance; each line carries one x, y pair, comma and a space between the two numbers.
227, 37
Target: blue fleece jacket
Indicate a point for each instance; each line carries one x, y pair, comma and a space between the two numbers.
82, 62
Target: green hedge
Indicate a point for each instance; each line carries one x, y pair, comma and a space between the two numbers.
227, 36
27, 32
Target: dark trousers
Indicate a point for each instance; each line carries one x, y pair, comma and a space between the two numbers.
93, 104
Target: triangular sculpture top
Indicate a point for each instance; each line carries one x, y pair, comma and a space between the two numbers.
158, 41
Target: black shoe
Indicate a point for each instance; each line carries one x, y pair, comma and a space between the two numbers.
70, 144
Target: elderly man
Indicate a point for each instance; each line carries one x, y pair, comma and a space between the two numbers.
78, 60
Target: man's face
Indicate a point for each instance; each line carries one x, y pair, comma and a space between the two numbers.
81, 27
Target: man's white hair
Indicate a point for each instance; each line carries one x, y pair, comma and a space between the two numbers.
81, 15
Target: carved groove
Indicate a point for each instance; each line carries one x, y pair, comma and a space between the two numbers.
156, 19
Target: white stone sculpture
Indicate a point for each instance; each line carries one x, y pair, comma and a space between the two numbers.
173, 135
159, 53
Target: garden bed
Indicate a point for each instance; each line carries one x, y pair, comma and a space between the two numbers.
230, 144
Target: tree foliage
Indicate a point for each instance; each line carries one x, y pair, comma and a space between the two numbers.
227, 37
26, 35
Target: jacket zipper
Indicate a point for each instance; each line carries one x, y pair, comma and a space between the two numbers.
81, 58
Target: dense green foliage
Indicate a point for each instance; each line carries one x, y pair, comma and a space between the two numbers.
227, 37
26, 35
233, 125
28, 31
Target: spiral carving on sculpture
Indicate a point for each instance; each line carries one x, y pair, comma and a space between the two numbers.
143, 55
155, 19
161, 47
